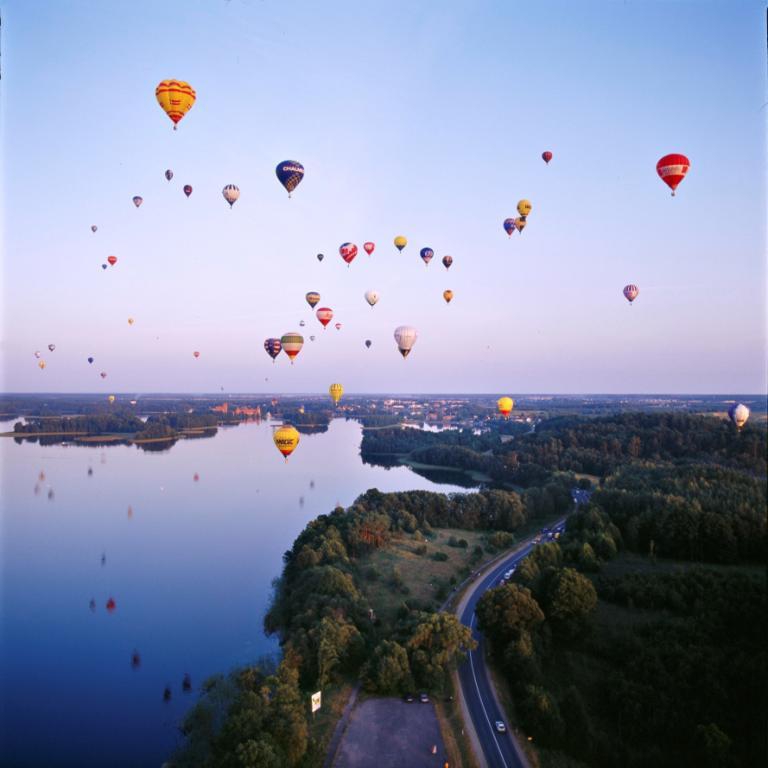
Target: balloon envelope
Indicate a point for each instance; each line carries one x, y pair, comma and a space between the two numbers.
400, 242
93, 227
176, 98
372, 296
169, 174
447, 295
324, 315
546, 156
335, 391
505, 406
348, 252
137, 200
187, 190
405, 336
368, 343
289, 174
292, 343
112, 260
313, 298
524, 207
273, 347
231, 194
672, 169
426, 255
447, 261
630, 292
286, 439
320, 257
509, 226
369, 247
738, 414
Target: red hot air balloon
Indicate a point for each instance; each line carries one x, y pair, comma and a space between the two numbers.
338, 326
348, 252
111, 605
196, 354
630, 292
112, 260
672, 169
103, 374
368, 247
324, 315
546, 156
187, 189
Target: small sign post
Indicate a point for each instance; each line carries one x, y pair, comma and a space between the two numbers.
317, 702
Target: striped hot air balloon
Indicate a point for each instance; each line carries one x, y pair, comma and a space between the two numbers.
324, 315
313, 299
273, 348
630, 292
231, 194
335, 391
672, 169
176, 98
405, 336
292, 343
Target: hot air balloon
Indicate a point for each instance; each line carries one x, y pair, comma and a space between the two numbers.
37, 355
187, 189
335, 391
176, 98
93, 227
132, 402
372, 296
524, 207
324, 315
273, 347
289, 174
320, 257
90, 361
405, 336
286, 439
169, 174
130, 321
337, 326
313, 299
231, 193
630, 292
103, 266
401, 242
368, 343
311, 338
41, 364
505, 406
302, 323
738, 414
111, 398
447, 295
369, 247
447, 261
112, 260
196, 354
672, 169
137, 200
292, 343
546, 156
520, 223
51, 347
509, 226
111, 605
348, 252
426, 255
103, 374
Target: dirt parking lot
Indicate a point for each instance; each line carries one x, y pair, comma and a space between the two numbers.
389, 733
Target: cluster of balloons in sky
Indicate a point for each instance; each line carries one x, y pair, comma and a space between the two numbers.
177, 97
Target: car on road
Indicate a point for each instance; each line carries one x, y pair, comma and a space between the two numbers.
423, 698
500, 727
408, 698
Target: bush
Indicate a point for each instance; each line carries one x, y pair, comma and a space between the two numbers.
441, 557
421, 549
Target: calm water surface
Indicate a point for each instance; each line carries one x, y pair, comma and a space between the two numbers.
188, 562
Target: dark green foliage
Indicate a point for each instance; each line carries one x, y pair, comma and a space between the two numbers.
441, 557
94, 424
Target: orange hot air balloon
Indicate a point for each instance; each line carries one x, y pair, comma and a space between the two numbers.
447, 295
286, 439
176, 98
112, 260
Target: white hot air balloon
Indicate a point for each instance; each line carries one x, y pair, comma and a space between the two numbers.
371, 296
405, 336
231, 194
738, 414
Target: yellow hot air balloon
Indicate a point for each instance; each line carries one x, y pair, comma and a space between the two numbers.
447, 295
401, 242
335, 391
505, 406
41, 365
286, 439
176, 98
111, 398
524, 207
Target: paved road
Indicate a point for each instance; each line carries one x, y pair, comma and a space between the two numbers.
500, 749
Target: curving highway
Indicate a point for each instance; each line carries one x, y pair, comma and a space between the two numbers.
500, 750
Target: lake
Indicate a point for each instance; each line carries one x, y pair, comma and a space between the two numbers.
185, 541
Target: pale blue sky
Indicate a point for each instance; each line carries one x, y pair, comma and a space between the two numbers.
425, 119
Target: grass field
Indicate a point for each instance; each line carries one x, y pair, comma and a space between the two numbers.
421, 576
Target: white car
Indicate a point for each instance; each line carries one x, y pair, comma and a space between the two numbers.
500, 727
